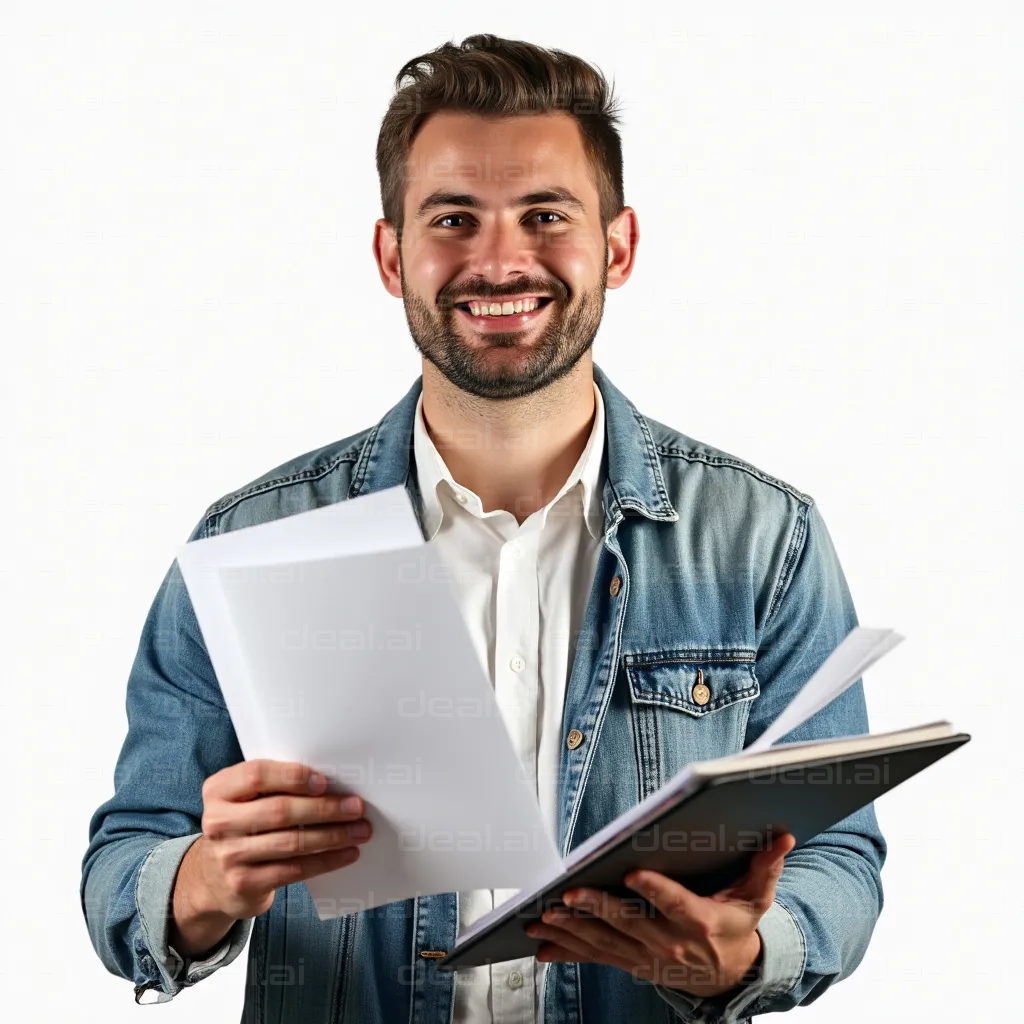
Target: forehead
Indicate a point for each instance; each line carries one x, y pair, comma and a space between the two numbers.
490, 156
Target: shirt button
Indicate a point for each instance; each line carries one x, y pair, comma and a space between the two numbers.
461, 498
515, 980
517, 549
574, 739
517, 664
615, 585
701, 693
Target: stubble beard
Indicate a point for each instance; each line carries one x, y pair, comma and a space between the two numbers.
556, 349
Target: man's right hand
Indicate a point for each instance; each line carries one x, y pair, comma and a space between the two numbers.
265, 824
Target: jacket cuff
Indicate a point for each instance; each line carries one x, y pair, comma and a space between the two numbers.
783, 955
170, 973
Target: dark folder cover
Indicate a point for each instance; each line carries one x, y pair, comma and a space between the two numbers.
710, 821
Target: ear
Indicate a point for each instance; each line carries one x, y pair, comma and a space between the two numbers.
623, 238
386, 253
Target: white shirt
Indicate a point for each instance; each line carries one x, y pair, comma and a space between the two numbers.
523, 591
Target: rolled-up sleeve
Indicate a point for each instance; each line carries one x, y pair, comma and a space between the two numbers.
179, 733
829, 896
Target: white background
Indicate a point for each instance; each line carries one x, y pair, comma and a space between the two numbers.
823, 287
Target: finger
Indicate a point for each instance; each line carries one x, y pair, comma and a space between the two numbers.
272, 874
589, 934
675, 901
223, 818
632, 917
552, 933
560, 945
262, 776
758, 885
292, 843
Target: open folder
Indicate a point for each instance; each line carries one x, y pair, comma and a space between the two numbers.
703, 827
338, 643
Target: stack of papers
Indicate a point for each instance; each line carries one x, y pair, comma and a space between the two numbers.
338, 642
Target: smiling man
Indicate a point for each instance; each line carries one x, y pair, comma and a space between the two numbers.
640, 600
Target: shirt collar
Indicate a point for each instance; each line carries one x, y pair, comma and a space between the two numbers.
433, 474
382, 457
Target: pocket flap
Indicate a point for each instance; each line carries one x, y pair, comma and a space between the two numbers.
674, 680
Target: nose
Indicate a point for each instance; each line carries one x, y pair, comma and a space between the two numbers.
501, 249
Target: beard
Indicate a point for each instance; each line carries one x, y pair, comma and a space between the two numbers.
555, 348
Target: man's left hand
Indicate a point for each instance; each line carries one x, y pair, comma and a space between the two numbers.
702, 945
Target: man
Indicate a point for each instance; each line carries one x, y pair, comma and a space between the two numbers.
641, 600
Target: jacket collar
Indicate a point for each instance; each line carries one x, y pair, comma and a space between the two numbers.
583, 483
633, 483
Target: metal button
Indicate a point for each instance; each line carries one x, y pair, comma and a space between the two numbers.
701, 693
515, 980
518, 663
574, 739
615, 585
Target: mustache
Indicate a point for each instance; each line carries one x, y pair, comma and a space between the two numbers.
448, 297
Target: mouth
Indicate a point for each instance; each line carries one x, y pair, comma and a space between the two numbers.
507, 315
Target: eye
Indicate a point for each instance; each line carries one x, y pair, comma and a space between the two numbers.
448, 216
548, 213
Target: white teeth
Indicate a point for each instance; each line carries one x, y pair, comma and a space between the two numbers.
503, 308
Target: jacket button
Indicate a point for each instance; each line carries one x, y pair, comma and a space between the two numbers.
615, 585
574, 739
701, 693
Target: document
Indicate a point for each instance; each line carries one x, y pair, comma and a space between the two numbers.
702, 826
338, 642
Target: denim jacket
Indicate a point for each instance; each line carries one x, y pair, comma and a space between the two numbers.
720, 568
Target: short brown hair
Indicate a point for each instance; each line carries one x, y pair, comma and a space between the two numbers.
485, 74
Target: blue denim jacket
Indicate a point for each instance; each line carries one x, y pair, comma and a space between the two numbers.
721, 568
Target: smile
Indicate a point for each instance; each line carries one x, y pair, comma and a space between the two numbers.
505, 316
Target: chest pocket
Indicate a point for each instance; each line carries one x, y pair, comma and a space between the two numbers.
687, 706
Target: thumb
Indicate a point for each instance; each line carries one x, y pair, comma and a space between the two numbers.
764, 871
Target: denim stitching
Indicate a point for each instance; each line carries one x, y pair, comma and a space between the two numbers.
612, 669
796, 547
733, 463
229, 501
692, 656
649, 696
652, 697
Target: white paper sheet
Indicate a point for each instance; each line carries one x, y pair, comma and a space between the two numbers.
859, 650
362, 666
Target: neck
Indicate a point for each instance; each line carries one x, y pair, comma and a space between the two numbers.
514, 453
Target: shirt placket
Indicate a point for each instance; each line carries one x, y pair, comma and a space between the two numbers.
516, 679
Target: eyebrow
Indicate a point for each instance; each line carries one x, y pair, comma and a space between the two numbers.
547, 195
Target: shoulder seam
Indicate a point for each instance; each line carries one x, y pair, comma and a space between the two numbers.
228, 501
733, 463
796, 546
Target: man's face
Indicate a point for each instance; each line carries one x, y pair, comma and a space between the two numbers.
499, 212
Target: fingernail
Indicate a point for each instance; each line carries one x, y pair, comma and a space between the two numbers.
351, 805
360, 830
316, 782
